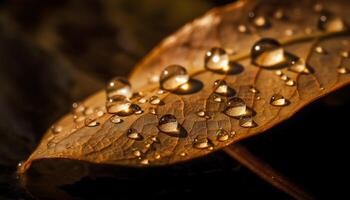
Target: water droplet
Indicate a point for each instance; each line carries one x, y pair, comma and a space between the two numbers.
344, 54
142, 100
222, 135
203, 143
236, 107
221, 88
144, 162
289, 32
330, 23
119, 86
253, 90
267, 52
319, 50
78, 108
261, 22
279, 73
258, 97
78, 118
153, 111
155, 100
56, 129
173, 77
136, 153
318, 7
242, 28
136, 109
100, 113
343, 70
290, 82
169, 124
278, 14
299, 66
116, 119
160, 92
118, 103
133, 134
284, 77
183, 154
157, 156
247, 122
91, 122
218, 99
278, 100
216, 59
88, 111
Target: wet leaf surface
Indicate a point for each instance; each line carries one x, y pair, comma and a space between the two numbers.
273, 101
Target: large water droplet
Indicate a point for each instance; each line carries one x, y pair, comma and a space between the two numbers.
331, 23
169, 124
278, 100
267, 52
119, 86
173, 77
236, 107
133, 134
118, 104
203, 143
247, 122
216, 59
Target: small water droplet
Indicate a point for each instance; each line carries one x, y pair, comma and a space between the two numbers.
183, 154
91, 122
253, 90
222, 135
201, 113
299, 66
116, 119
221, 88
343, 70
279, 73
56, 129
247, 122
78, 107
78, 118
136, 109
153, 111
217, 59
142, 100
242, 28
258, 97
202, 143
144, 162
119, 86
157, 156
261, 22
160, 92
319, 50
278, 100
136, 153
218, 99
278, 14
88, 111
117, 104
100, 113
169, 124
155, 100
236, 107
344, 54
290, 82
322, 88
173, 77
330, 23
318, 7
267, 52
289, 32
284, 77
133, 134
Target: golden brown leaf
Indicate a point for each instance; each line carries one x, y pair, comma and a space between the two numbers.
293, 23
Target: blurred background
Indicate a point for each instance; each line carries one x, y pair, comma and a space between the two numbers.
55, 52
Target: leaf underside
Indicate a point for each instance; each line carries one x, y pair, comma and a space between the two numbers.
108, 143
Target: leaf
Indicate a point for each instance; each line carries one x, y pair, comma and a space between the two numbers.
294, 24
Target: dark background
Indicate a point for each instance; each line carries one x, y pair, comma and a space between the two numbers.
55, 52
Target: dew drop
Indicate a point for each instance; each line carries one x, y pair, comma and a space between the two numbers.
100, 113
284, 77
253, 90
88, 111
222, 135
242, 28
279, 73
160, 92
183, 154
267, 52
116, 119
261, 22
299, 66
201, 113
91, 122
157, 156
144, 162
318, 7
142, 100
133, 134
218, 99
217, 59
119, 86
290, 82
118, 103
319, 50
173, 77
330, 23
344, 54
278, 14
153, 111
278, 100
343, 70
155, 100
136, 109
289, 32
136, 153
236, 107
169, 124
78, 118
247, 122
203, 143
221, 88
56, 129
78, 108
